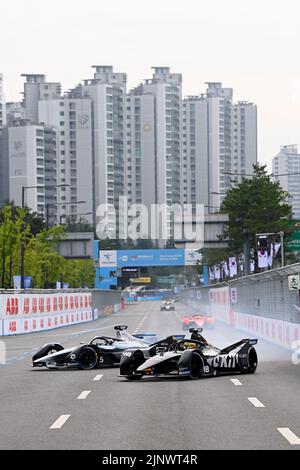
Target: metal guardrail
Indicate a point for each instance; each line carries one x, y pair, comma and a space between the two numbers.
265, 294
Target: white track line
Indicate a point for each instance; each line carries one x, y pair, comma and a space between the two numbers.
236, 382
290, 436
83, 395
60, 422
98, 377
256, 402
142, 322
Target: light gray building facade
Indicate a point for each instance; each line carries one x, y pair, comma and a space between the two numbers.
286, 170
73, 119
2, 103
28, 159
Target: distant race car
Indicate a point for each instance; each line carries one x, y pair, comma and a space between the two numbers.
193, 358
197, 321
167, 305
100, 352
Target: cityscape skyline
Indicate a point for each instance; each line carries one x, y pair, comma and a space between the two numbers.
251, 50
149, 143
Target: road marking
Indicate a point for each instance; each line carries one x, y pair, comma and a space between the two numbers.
236, 382
11, 358
142, 322
98, 377
84, 395
60, 422
290, 436
256, 402
22, 357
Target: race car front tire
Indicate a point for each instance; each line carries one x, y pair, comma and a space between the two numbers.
196, 366
87, 358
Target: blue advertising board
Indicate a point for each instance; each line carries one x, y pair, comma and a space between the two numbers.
146, 258
110, 261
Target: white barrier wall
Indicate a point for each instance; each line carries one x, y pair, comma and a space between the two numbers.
278, 331
29, 312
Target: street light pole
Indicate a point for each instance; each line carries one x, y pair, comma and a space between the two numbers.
22, 250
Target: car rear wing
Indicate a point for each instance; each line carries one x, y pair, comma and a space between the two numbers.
246, 343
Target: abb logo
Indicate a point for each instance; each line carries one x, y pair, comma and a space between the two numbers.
34, 305
26, 306
41, 305
12, 306
12, 327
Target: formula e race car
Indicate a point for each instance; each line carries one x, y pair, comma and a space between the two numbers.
167, 305
197, 321
193, 358
100, 352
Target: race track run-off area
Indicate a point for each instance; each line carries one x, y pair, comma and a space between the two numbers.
96, 409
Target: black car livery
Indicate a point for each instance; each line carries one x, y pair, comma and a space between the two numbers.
194, 358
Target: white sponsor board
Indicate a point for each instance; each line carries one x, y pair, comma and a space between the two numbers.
19, 326
26, 313
192, 257
108, 258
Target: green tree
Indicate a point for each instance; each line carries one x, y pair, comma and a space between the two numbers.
13, 230
42, 262
78, 273
256, 205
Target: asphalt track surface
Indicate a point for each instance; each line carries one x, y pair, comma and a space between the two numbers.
73, 409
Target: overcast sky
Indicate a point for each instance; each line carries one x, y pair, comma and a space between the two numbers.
251, 46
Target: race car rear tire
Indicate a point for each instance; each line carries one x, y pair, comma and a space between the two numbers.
196, 366
252, 362
87, 358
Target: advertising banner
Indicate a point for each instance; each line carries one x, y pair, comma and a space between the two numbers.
27, 312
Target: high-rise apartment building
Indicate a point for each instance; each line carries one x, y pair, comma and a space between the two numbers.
14, 111
28, 159
244, 139
72, 118
166, 88
2, 104
107, 89
286, 170
141, 178
219, 139
35, 89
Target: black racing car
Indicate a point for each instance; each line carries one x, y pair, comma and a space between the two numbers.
194, 358
100, 352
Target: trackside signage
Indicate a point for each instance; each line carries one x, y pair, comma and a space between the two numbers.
25, 313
